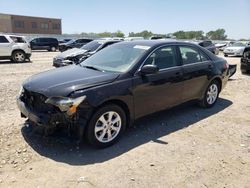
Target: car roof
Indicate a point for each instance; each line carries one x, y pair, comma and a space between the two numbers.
103, 41
153, 43
12, 35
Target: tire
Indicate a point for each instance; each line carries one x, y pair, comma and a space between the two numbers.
53, 49
18, 56
211, 95
101, 127
225, 55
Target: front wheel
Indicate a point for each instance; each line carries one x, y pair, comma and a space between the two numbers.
225, 55
106, 126
18, 56
211, 95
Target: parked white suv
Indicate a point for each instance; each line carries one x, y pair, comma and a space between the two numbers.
14, 48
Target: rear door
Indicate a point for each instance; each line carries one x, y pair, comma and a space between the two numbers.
5, 46
197, 67
155, 92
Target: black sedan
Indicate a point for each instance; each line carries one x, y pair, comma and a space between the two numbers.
245, 60
78, 43
76, 55
104, 94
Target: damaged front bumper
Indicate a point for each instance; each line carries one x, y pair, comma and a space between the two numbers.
42, 119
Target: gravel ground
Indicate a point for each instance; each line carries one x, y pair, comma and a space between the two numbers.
183, 147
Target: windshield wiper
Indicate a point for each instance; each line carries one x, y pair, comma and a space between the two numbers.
91, 67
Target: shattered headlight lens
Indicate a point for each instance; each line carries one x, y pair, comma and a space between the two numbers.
65, 104
21, 91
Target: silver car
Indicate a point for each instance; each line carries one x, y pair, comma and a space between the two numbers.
236, 49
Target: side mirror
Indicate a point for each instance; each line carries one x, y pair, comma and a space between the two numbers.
149, 69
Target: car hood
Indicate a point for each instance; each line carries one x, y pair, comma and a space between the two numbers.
235, 48
63, 81
70, 53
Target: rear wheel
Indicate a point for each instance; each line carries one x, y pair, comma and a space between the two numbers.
106, 126
211, 95
18, 56
53, 49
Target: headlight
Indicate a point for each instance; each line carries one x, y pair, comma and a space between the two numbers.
21, 91
65, 104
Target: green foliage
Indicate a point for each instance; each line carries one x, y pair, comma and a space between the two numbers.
189, 34
218, 34
144, 34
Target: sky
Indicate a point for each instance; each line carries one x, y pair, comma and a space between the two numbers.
158, 16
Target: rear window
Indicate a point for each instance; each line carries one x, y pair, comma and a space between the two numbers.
18, 39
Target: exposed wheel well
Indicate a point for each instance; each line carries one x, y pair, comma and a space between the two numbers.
121, 104
220, 83
17, 50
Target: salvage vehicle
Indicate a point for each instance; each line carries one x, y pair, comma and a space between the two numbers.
245, 61
15, 48
104, 94
44, 43
77, 55
78, 43
235, 49
222, 45
208, 44
64, 41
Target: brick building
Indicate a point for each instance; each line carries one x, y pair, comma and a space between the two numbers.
29, 25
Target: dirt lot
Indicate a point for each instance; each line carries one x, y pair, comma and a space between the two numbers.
183, 147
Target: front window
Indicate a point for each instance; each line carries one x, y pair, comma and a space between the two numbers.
117, 58
91, 46
163, 58
3, 39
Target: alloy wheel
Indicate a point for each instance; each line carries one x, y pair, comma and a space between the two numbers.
108, 127
212, 93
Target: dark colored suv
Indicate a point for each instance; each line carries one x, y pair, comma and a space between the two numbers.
245, 61
104, 94
78, 43
43, 43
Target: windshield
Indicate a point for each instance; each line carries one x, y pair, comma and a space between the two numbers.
238, 44
117, 58
70, 42
91, 46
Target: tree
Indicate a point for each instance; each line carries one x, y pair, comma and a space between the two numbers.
119, 34
144, 34
189, 34
218, 34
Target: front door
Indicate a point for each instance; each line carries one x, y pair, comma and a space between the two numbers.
158, 91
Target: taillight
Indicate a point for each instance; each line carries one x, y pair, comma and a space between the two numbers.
226, 66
